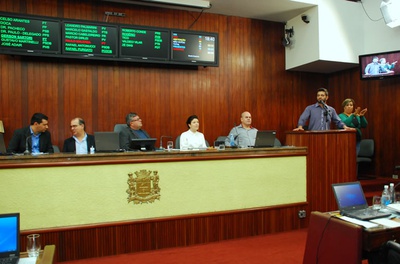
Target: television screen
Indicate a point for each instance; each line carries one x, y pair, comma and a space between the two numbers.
29, 35
144, 43
379, 65
143, 144
89, 39
191, 47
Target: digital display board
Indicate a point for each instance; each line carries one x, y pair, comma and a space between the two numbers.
20, 34
85, 39
194, 47
144, 43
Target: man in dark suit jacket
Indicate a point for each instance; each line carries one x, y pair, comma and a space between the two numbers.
80, 142
35, 136
133, 130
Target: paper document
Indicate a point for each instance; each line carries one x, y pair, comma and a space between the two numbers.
386, 222
27, 260
394, 207
365, 224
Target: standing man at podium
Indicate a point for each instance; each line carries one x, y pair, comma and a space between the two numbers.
320, 115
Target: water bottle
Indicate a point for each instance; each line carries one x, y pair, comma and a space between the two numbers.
385, 200
232, 140
392, 193
91, 150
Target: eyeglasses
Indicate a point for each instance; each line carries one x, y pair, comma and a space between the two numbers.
133, 120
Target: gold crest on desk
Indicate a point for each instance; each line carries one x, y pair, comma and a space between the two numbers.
144, 187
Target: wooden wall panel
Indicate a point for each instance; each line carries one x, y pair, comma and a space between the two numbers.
251, 76
136, 236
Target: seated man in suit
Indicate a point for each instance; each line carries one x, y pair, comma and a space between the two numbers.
132, 131
80, 142
35, 136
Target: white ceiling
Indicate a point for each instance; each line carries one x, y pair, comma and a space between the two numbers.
271, 10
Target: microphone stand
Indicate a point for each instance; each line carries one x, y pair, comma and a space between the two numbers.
161, 138
27, 152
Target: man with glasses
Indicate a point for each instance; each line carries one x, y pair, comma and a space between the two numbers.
80, 142
132, 131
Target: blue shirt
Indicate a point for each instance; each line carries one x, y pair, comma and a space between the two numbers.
319, 118
140, 133
35, 142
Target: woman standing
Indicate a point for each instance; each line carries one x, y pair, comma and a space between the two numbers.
354, 118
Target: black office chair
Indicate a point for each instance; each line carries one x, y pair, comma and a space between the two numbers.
56, 149
366, 153
119, 127
389, 253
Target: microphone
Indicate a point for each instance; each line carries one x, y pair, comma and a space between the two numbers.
27, 152
161, 138
323, 103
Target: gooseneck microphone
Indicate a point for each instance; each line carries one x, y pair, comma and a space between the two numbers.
161, 138
27, 152
323, 103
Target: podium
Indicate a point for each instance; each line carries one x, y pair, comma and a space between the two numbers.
331, 159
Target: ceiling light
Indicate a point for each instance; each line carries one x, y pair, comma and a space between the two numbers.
190, 3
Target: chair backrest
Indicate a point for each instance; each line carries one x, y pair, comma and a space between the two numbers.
178, 142
366, 148
330, 239
119, 127
277, 143
56, 149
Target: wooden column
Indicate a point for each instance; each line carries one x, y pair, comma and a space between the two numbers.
331, 159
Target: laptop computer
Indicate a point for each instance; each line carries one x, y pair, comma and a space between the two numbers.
351, 201
9, 238
107, 141
265, 139
2, 144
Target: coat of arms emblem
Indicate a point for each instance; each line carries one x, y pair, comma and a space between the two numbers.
144, 187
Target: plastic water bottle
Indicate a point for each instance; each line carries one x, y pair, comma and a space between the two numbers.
232, 140
392, 193
385, 200
91, 150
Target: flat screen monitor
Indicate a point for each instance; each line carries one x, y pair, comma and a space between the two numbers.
381, 65
29, 35
196, 48
143, 144
143, 44
84, 39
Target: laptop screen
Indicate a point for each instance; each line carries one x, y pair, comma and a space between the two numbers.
265, 139
9, 235
106, 141
349, 195
143, 144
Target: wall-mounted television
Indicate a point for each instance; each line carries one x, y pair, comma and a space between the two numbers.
143, 43
29, 35
376, 66
193, 47
85, 39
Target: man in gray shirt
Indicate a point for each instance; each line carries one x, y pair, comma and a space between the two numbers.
243, 135
320, 115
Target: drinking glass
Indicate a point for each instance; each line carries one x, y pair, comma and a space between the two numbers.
170, 145
376, 202
33, 245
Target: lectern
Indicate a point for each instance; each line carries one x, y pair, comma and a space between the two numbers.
331, 159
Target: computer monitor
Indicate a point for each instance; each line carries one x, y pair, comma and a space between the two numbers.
143, 144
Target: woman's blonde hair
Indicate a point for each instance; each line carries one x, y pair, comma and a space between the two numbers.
346, 101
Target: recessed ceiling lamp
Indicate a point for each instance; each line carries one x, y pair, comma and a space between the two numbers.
202, 4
